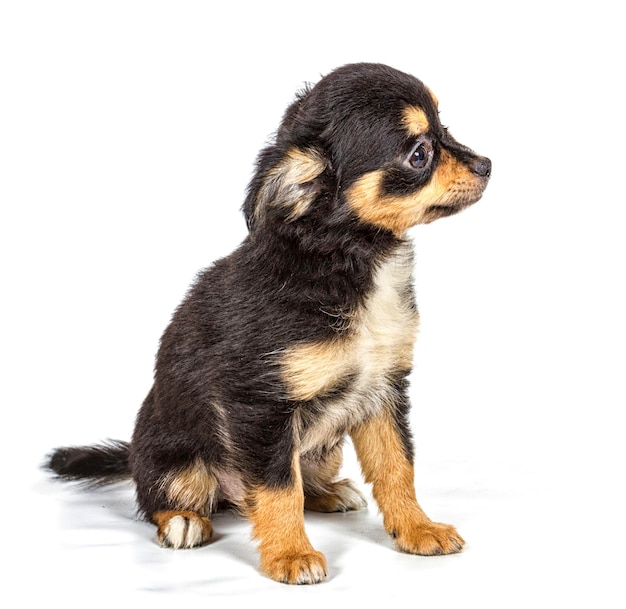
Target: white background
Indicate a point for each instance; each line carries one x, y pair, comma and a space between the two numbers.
128, 131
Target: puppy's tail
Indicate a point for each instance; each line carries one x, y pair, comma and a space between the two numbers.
96, 465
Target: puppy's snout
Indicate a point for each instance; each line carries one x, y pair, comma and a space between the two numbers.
481, 166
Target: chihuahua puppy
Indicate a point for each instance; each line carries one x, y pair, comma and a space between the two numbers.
303, 335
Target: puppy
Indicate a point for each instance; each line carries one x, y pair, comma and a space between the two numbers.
303, 335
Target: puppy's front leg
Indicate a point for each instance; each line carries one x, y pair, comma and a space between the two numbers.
386, 464
277, 515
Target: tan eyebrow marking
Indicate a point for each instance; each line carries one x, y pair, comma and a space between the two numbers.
415, 120
434, 97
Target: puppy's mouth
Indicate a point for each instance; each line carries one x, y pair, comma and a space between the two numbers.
434, 212
441, 211
460, 201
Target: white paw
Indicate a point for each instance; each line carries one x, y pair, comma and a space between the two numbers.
182, 529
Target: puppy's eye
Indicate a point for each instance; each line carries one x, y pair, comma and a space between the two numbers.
421, 155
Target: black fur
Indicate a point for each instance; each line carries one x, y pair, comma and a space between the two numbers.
96, 465
275, 290
302, 275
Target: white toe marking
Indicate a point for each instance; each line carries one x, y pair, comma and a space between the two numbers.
176, 531
194, 534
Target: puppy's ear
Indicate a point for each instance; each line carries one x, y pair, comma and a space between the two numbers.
285, 184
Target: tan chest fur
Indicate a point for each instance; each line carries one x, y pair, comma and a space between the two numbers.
378, 343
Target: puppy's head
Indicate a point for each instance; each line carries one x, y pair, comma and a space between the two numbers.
364, 144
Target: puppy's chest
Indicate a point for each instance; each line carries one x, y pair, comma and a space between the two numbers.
343, 380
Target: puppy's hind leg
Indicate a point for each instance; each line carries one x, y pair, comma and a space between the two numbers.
277, 515
323, 492
180, 505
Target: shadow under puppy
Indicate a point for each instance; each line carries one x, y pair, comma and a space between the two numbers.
303, 335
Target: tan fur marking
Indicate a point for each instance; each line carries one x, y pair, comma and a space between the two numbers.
277, 516
283, 183
302, 166
452, 184
385, 465
433, 96
315, 368
415, 120
193, 488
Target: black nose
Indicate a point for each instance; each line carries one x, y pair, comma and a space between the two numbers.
482, 166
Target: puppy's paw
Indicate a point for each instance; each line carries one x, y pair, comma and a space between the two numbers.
342, 496
305, 568
182, 529
429, 539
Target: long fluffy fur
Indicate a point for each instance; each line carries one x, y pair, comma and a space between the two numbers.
94, 465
